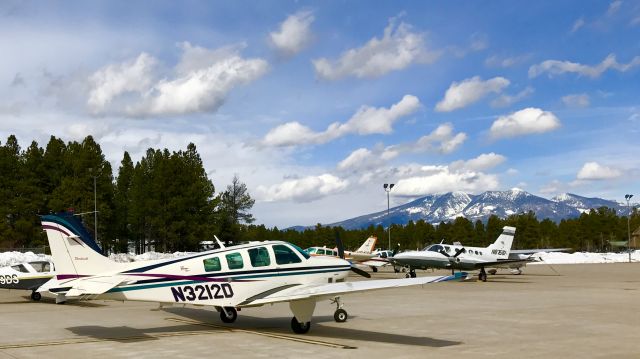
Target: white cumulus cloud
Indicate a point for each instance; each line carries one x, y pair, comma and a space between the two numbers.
305, 189
438, 179
135, 76
483, 162
294, 33
199, 83
367, 120
596, 171
442, 139
398, 48
462, 94
556, 67
527, 121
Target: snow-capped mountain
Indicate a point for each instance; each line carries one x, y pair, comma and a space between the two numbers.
447, 206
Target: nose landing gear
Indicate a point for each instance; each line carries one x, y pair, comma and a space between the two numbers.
340, 315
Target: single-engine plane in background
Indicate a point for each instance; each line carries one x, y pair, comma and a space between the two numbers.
27, 276
228, 279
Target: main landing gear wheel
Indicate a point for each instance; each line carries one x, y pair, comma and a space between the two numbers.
374, 269
300, 328
228, 314
36, 296
483, 275
340, 316
411, 274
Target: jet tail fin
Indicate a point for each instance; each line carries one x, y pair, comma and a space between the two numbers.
74, 251
502, 246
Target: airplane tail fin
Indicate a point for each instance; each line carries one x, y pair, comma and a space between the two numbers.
74, 251
368, 245
502, 246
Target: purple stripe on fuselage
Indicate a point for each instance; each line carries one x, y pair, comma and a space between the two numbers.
70, 276
186, 277
55, 228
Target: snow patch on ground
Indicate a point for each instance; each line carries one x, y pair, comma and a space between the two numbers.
586, 257
11, 258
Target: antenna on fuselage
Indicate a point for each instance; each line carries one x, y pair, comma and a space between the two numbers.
219, 241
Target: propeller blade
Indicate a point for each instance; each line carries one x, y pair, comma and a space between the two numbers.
340, 246
395, 250
361, 272
459, 251
444, 253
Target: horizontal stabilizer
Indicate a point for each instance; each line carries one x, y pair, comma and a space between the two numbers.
94, 285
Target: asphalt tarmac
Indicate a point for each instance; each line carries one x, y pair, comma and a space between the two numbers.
568, 311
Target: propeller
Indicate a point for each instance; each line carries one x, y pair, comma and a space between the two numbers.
341, 254
459, 251
395, 250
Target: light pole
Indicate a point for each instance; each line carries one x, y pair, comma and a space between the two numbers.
95, 207
387, 188
628, 197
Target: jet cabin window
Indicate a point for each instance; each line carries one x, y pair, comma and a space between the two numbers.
234, 260
212, 264
259, 257
284, 255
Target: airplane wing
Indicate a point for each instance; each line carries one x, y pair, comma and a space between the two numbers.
329, 290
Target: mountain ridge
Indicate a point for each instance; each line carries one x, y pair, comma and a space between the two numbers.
435, 208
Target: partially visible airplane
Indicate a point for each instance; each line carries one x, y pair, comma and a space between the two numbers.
381, 258
229, 278
459, 257
364, 253
27, 276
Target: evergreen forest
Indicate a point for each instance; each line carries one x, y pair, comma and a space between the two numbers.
166, 202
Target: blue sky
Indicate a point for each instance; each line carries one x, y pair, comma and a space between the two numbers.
316, 104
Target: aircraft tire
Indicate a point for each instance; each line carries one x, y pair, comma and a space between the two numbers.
36, 296
374, 269
482, 277
300, 328
340, 316
233, 315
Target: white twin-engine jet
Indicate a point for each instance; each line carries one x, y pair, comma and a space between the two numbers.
459, 257
228, 279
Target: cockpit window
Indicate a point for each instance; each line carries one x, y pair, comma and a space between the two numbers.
284, 255
20, 268
311, 250
435, 248
259, 257
300, 250
234, 260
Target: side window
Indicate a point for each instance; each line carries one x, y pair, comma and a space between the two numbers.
259, 257
212, 264
234, 260
285, 255
20, 268
321, 251
46, 267
37, 266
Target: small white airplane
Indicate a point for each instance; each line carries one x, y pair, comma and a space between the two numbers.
27, 276
459, 257
229, 278
381, 258
364, 253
